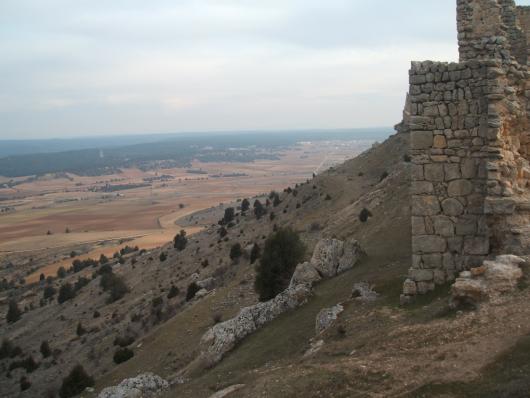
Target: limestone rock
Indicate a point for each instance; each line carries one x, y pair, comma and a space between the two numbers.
304, 273
207, 284
363, 291
326, 317
490, 280
223, 337
227, 391
333, 256
145, 385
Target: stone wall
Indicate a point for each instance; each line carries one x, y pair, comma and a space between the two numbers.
470, 147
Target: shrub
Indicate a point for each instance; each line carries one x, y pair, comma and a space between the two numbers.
96, 314
173, 292
228, 216
81, 283
122, 354
42, 277
75, 383
66, 292
235, 251
282, 252
328, 197
6, 349
407, 158
364, 214
275, 199
245, 205
103, 259
49, 292
162, 257
157, 301
25, 384
115, 285
61, 273
180, 241
80, 330
259, 210
272, 216
193, 288
13, 312
222, 232
45, 349
255, 253
105, 269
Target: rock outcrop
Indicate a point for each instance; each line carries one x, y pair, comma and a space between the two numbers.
330, 257
363, 291
489, 281
326, 317
145, 385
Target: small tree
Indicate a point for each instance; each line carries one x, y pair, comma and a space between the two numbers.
80, 330
13, 312
61, 272
66, 292
180, 241
235, 251
75, 383
49, 292
222, 232
45, 349
364, 214
245, 205
255, 253
122, 355
25, 384
103, 259
162, 257
228, 216
193, 288
259, 210
282, 252
173, 292
42, 277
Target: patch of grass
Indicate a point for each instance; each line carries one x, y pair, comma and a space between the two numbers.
507, 376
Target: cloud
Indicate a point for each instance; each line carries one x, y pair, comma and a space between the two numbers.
131, 66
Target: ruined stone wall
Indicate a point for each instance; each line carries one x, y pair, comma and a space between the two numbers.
470, 146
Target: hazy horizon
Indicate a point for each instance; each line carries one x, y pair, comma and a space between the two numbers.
72, 69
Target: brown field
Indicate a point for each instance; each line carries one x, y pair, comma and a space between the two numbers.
147, 216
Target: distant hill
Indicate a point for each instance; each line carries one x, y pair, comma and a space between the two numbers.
101, 155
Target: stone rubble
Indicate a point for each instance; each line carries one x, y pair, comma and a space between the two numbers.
326, 317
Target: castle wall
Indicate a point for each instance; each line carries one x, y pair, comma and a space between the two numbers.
470, 146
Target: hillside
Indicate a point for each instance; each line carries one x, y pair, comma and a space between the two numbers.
375, 348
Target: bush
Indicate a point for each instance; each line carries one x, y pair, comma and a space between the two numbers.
235, 251
80, 330
49, 292
228, 216
255, 253
13, 312
180, 241
283, 251
27, 363
157, 301
61, 273
407, 158
245, 205
81, 283
222, 232
193, 288
259, 210
122, 354
25, 384
42, 277
115, 285
328, 197
75, 383
364, 214
66, 292
45, 349
162, 257
6, 349
103, 259
173, 292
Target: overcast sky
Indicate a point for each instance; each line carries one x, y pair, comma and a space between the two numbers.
89, 67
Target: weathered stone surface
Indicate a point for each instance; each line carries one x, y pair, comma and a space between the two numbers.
305, 273
146, 385
363, 291
207, 284
227, 391
491, 280
460, 188
452, 207
332, 256
326, 317
421, 139
428, 244
425, 205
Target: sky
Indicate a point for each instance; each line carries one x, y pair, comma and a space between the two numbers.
99, 67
